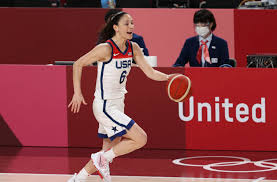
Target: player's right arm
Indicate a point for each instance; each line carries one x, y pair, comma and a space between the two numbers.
145, 67
101, 52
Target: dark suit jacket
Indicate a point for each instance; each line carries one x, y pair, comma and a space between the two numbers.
139, 40
218, 51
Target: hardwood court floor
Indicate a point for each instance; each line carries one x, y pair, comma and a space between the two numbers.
11, 177
33, 164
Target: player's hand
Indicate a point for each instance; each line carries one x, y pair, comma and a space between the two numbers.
171, 75
76, 102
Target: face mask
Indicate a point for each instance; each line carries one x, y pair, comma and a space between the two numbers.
202, 31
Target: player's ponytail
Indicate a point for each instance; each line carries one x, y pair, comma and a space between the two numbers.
108, 31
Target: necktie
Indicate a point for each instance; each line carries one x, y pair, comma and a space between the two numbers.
206, 52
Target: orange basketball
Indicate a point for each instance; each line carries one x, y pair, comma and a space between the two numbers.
178, 87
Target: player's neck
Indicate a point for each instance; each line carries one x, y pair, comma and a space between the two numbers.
121, 43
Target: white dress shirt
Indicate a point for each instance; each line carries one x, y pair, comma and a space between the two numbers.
209, 39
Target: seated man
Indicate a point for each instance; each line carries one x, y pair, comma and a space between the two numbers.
205, 49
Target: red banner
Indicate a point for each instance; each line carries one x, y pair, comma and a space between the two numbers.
230, 109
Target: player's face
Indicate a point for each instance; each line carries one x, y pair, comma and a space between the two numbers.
125, 27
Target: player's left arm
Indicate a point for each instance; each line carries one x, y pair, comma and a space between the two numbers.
145, 67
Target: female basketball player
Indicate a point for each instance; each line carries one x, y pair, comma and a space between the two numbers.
121, 135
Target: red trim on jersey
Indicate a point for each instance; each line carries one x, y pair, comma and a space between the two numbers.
117, 54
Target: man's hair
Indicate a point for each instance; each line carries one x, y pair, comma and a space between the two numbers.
110, 13
204, 16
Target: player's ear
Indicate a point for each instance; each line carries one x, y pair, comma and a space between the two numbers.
115, 27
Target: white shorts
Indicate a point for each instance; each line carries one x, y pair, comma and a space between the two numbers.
111, 118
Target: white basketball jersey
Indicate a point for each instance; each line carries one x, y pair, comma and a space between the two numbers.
112, 75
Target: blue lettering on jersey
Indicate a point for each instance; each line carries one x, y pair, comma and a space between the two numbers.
123, 64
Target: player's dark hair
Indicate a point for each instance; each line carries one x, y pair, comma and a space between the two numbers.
108, 31
204, 16
109, 14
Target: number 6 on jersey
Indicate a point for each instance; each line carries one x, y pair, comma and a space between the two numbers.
123, 76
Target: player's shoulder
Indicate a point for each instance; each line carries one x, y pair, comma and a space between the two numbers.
134, 45
103, 50
104, 47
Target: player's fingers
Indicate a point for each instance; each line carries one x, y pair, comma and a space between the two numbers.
84, 102
75, 107
69, 104
78, 108
72, 107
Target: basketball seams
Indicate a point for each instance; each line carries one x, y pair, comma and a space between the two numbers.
187, 91
169, 85
177, 88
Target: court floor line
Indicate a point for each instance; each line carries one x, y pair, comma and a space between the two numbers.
259, 179
17, 177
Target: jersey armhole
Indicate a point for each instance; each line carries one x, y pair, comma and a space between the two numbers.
131, 45
111, 54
